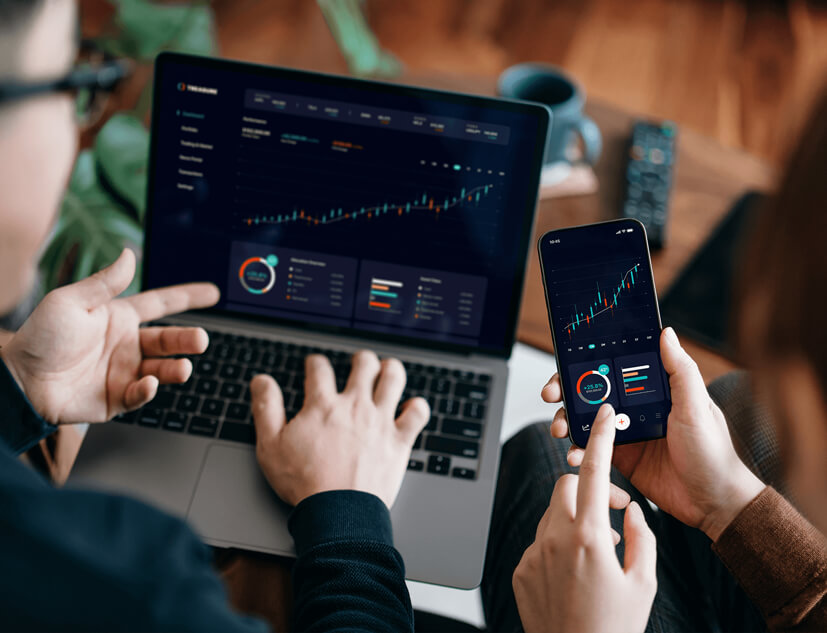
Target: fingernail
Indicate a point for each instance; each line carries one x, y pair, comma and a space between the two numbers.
671, 337
606, 411
634, 506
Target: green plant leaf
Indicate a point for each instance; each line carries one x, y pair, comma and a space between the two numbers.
92, 226
121, 154
148, 28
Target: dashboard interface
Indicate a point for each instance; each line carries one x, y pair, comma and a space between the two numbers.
331, 202
604, 316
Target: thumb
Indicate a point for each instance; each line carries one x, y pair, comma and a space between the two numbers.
108, 283
268, 407
641, 555
684, 376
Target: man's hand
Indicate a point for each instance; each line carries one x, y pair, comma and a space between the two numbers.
569, 579
693, 473
338, 441
81, 357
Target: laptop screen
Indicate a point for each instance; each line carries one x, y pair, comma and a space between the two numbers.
327, 202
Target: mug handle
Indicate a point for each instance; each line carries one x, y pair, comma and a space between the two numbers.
592, 140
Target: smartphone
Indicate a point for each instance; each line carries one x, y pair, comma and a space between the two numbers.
605, 323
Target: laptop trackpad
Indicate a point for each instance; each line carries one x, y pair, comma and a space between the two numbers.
233, 505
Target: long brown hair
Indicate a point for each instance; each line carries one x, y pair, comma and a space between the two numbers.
783, 281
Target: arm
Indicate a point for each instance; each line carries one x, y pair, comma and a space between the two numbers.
781, 562
341, 461
79, 560
695, 475
22, 427
348, 574
570, 579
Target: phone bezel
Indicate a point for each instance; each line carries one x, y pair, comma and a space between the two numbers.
560, 372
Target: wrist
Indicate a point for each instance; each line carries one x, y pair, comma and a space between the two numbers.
8, 356
744, 487
8, 361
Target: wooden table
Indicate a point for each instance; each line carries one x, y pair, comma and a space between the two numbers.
708, 178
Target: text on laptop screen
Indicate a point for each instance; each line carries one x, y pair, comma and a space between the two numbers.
339, 203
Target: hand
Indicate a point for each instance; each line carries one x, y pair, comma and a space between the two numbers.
81, 357
569, 579
338, 441
693, 473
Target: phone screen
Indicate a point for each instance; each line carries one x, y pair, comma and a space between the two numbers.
604, 319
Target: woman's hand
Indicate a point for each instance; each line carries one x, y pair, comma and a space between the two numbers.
693, 473
338, 441
81, 357
569, 579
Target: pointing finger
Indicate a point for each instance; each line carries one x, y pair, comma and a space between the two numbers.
156, 304
593, 489
167, 370
169, 341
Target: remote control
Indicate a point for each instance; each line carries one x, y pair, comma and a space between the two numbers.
649, 177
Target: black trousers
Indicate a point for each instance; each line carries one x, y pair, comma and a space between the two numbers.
696, 592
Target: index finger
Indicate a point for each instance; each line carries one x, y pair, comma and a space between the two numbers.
593, 488
156, 304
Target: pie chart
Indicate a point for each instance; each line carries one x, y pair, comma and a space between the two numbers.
257, 276
593, 387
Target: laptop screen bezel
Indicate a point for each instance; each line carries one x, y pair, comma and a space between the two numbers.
539, 112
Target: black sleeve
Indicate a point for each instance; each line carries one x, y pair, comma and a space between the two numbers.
87, 561
347, 576
22, 427
78, 560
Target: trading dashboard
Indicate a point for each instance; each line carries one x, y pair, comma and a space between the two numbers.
606, 325
339, 203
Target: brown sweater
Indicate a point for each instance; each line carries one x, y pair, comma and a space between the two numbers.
780, 560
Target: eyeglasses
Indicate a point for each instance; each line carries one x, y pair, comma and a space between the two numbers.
92, 81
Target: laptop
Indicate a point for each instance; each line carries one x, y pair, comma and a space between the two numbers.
334, 214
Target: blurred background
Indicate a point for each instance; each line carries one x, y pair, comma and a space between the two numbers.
739, 71
737, 76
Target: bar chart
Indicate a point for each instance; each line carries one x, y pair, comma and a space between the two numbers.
634, 380
384, 295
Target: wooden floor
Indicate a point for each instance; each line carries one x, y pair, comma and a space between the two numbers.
741, 72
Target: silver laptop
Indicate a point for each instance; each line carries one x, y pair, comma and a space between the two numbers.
334, 214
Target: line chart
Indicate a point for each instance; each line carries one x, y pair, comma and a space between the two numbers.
422, 203
578, 318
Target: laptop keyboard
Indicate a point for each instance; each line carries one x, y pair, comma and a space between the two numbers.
215, 401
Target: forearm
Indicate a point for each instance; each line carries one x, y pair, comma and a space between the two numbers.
347, 576
21, 427
780, 560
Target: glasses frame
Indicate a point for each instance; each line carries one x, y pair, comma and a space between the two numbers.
102, 77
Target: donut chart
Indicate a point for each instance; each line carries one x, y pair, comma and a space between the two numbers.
257, 276
593, 387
